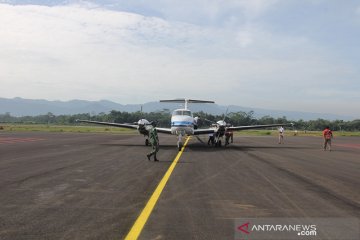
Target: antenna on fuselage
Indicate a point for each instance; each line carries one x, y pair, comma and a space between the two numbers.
186, 101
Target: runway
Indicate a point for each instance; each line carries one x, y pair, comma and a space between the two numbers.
94, 186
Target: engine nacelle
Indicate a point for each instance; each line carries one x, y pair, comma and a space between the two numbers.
221, 123
142, 126
143, 122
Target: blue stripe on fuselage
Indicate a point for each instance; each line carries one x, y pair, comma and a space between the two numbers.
181, 123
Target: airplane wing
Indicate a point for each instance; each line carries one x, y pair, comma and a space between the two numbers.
163, 130
238, 128
123, 125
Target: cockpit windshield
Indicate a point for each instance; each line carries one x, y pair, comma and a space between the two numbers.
182, 113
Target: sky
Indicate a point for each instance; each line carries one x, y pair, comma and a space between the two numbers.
273, 54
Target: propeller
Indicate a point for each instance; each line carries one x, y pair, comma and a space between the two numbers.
199, 139
220, 123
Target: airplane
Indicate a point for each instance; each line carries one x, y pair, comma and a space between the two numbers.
182, 123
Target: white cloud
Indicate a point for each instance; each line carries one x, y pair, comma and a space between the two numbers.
255, 8
204, 12
87, 52
244, 38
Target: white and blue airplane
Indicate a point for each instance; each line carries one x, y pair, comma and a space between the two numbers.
183, 123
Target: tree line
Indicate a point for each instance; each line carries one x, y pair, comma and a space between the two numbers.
162, 119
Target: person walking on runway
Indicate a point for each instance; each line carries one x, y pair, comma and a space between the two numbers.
327, 135
154, 141
281, 134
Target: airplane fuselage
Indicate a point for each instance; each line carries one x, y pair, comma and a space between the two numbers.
182, 122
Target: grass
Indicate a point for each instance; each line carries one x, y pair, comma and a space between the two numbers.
292, 133
64, 128
84, 128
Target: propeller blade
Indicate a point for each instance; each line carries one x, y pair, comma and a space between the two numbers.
200, 140
207, 120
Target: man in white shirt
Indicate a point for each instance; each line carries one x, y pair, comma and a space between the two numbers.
281, 134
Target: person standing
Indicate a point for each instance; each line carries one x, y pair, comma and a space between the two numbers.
154, 141
229, 135
281, 134
327, 135
211, 139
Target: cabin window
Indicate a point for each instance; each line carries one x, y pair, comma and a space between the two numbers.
187, 113
182, 113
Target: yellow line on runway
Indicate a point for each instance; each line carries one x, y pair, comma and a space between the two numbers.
145, 214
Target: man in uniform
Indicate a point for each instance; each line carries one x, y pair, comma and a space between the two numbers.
154, 141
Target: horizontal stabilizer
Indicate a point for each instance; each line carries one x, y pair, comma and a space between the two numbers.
186, 101
182, 100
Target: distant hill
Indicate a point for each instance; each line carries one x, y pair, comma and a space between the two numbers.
32, 107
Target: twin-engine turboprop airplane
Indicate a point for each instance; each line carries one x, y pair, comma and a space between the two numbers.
182, 123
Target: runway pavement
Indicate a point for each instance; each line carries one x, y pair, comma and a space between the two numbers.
94, 186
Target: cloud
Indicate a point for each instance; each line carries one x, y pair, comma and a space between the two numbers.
255, 8
244, 38
199, 12
78, 49
89, 52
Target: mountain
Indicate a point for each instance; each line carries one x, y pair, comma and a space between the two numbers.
32, 107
